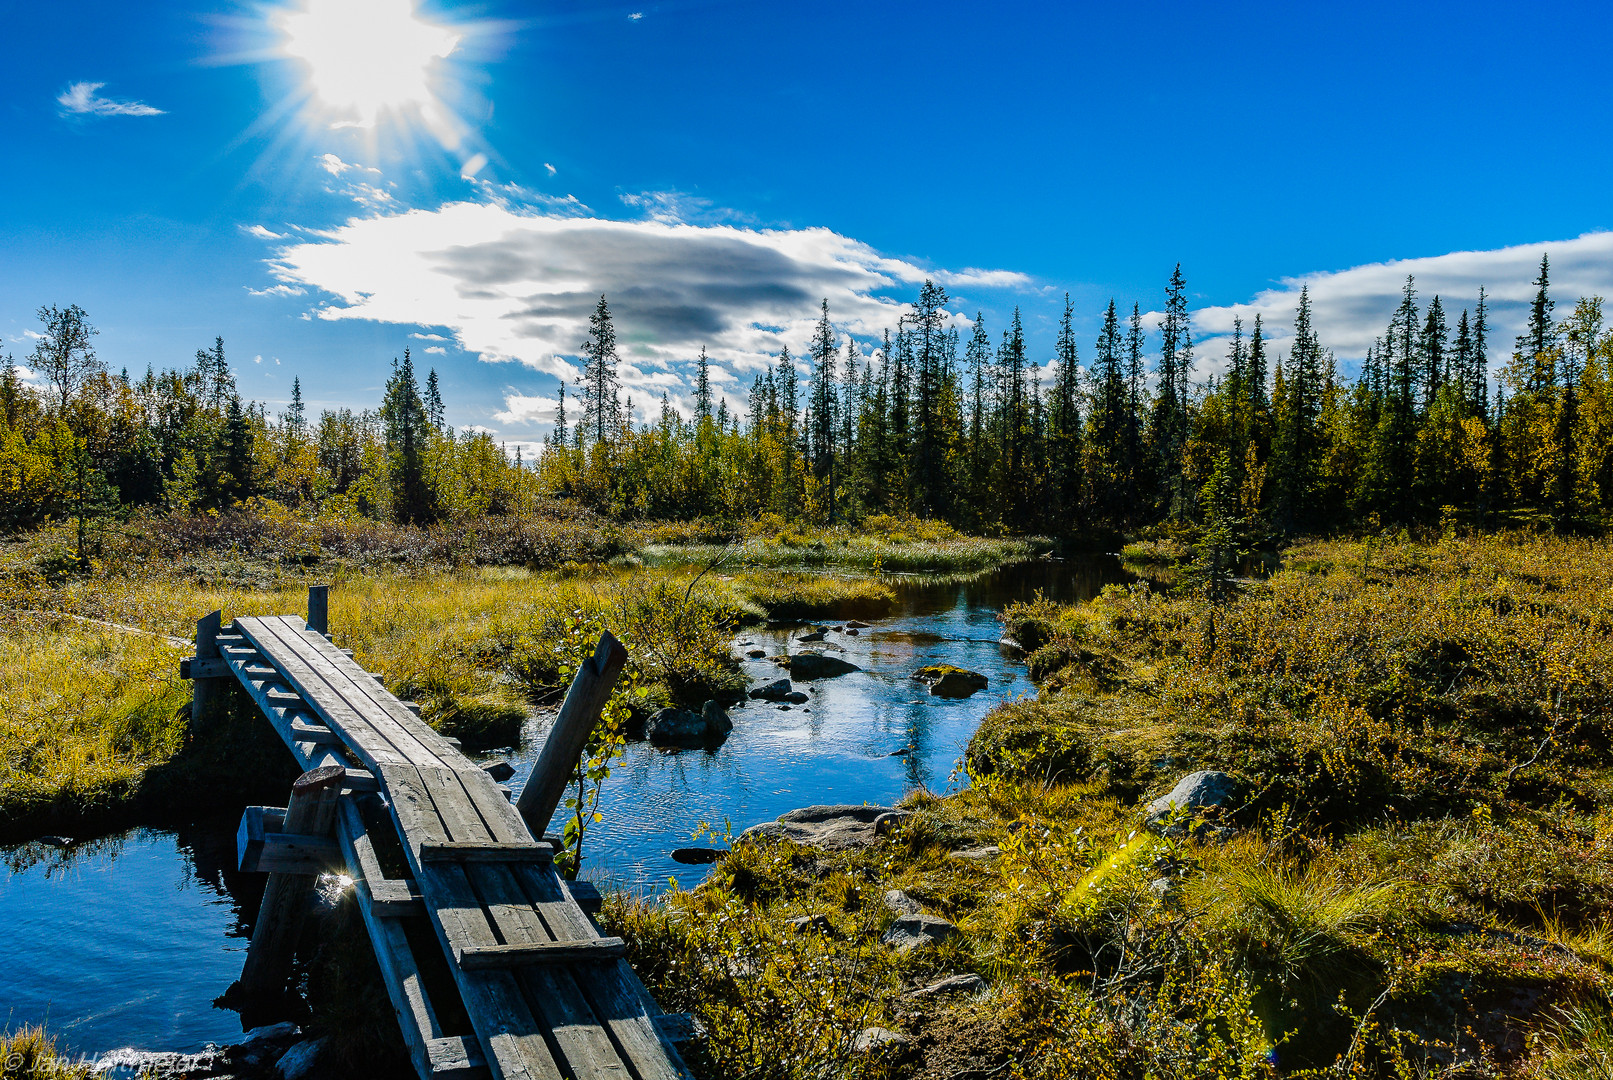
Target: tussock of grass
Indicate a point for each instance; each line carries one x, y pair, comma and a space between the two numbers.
28, 1053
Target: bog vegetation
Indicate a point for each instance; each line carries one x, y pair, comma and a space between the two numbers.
1415, 880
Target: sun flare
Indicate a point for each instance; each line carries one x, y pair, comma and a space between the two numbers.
367, 57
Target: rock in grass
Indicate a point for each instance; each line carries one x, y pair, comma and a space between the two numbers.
1206, 792
901, 903
834, 828
878, 1040
945, 680
957, 984
916, 931
777, 690
816, 924
810, 665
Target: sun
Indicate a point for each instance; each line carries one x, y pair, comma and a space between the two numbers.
367, 58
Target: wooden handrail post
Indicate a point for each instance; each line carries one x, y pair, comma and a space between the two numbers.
557, 762
319, 609
207, 694
312, 812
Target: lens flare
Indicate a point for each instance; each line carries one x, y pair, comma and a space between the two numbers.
367, 58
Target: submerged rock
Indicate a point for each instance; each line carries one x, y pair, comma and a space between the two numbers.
856, 624
756, 654
697, 856
945, 680
810, 665
500, 770
795, 697
1206, 792
916, 931
816, 635
835, 828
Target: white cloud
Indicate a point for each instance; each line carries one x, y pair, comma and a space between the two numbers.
261, 233
81, 99
476, 164
636, 16
525, 409
1352, 307
258, 359
436, 350
551, 168
276, 290
336, 166
512, 284
428, 337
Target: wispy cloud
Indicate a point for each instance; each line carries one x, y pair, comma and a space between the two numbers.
261, 233
81, 99
277, 290
1353, 306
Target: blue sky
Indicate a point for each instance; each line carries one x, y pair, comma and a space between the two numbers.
718, 167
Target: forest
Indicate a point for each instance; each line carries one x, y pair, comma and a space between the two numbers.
929, 421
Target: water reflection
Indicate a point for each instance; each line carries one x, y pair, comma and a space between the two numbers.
127, 938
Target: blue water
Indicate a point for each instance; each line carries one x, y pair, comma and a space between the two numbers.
869, 736
126, 940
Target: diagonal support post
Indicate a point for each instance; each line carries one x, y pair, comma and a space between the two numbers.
557, 762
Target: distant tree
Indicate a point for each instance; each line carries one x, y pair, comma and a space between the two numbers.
1435, 343
213, 375
63, 353
1536, 348
236, 460
296, 412
601, 394
434, 408
561, 435
404, 421
1170, 420
823, 408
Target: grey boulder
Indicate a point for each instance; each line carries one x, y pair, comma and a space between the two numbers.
916, 931
777, 690
901, 903
1204, 793
684, 727
834, 828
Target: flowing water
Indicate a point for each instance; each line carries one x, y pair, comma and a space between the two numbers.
126, 940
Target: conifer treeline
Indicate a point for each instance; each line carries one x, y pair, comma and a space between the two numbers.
930, 421
965, 430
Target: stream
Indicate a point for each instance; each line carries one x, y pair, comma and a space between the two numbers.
127, 939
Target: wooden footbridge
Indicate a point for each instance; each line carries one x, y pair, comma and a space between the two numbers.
492, 960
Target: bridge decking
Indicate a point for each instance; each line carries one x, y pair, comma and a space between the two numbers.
546, 996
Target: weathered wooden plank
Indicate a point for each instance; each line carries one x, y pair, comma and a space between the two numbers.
454, 1057
198, 667
263, 848
557, 761
411, 738
318, 734
312, 811
551, 953
417, 1019
394, 899
291, 655
412, 809
487, 852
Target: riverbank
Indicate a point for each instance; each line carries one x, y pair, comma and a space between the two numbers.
1409, 869
478, 628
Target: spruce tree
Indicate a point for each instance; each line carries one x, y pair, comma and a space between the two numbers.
403, 418
702, 388
601, 393
1479, 391
296, 412
561, 434
1170, 421
1064, 424
1435, 343
434, 408
1537, 346
823, 407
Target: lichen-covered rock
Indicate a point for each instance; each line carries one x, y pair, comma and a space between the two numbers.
878, 1040
901, 903
835, 828
957, 984
945, 680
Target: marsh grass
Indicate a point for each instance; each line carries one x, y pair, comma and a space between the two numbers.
1419, 883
